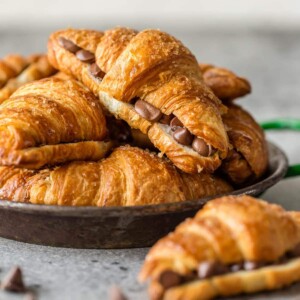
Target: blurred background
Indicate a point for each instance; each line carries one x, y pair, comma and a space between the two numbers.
257, 39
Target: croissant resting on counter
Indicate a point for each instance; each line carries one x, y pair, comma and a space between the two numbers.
224, 83
248, 159
51, 121
129, 176
28, 69
154, 83
234, 245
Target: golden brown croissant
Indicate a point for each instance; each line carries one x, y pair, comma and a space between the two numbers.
248, 159
224, 83
234, 245
51, 121
32, 68
129, 176
154, 83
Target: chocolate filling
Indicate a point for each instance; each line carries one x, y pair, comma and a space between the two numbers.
143, 108
83, 55
208, 269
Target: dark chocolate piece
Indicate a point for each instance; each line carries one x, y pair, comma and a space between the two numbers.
85, 56
169, 279
147, 111
96, 71
166, 119
68, 45
175, 122
183, 136
208, 269
200, 146
14, 281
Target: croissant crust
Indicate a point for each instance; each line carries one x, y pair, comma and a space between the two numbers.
157, 68
51, 121
129, 176
228, 230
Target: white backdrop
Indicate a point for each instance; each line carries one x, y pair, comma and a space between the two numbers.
177, 14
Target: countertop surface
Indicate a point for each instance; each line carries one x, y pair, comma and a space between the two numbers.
271, 62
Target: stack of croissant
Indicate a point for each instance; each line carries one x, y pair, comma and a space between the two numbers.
122, 118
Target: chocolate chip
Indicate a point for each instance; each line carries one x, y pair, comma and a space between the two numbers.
166, 119
96, 71
252, 265
169, 279
208, 269
14, 281
200, 146
237, 267
116, 294
183, 136
85, 56
175, 122
147, 111
68, 45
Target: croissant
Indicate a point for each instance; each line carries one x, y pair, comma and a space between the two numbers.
129, 176
51, 121
154, 83
224, 83
27, 69
234, 245
247, 161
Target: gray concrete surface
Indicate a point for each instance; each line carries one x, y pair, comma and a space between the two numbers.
271, 61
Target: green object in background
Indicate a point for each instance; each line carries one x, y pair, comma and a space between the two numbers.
284, 124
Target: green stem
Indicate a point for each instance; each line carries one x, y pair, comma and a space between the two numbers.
292, 124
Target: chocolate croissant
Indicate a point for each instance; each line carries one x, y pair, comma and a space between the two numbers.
51, 121
154, 83
247, 161
224, 83
34, 67
234, 245
129, 176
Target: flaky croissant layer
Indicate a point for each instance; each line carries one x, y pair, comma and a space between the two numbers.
233, 245
129, 176
51, 121
152, 81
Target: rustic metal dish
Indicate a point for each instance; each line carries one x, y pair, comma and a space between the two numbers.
113, 227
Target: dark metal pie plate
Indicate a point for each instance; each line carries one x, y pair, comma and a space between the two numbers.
112, 227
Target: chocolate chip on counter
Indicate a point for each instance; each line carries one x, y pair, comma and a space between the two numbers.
68, 45
166, 119
115, 293
147, 111
252, 265
237, 267
14, 281
96, 71
200, 146
183, 136
208, 269
169, 279
175, 122
85, 56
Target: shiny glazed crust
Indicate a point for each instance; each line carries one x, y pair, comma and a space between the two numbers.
37, 67
249, 159
157, 68
51, 121
229, 230
224, 83
129, 176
